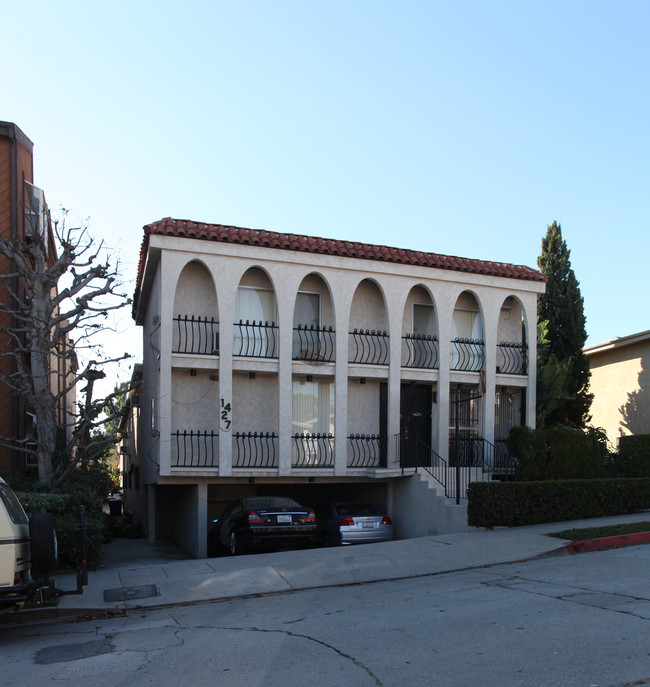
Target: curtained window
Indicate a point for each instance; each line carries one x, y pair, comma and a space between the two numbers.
258, 308
313, 407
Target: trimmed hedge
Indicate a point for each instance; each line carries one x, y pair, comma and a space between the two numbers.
508, 504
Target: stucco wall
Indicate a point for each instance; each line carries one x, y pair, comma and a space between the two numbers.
421, 512
195, 401
615, 373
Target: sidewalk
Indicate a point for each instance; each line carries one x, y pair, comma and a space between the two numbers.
136, 574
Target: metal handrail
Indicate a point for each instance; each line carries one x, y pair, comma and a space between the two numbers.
467, 354
314, 344
312, 450
512, 358
367, 450
368, 347
194, 449
196, 335
421, 351
471, 459
255, 450
255, 339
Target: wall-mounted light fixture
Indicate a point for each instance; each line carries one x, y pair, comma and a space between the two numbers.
251, 480
192, 372
362, 380
251, 375
310, 378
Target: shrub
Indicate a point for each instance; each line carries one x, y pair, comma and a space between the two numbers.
87, 486
496, 504
556, 453
633, 458
68, 525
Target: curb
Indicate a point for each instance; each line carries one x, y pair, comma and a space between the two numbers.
604, 543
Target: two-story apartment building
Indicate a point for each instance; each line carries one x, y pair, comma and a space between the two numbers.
321, 369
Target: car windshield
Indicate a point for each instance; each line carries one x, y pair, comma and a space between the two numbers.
350, 509
12, 504
264, 503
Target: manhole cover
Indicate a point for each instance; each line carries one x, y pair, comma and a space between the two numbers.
127, 593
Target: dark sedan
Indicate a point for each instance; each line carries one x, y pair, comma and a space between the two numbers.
262, 522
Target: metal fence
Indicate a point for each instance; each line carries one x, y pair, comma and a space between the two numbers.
367, 451
471, 459
254, 450
420, 350
368, 347
467, 355
312, 450
194, 449
255, 339
196, 335
512, 358
314, 344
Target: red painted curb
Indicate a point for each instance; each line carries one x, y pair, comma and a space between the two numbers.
603, 543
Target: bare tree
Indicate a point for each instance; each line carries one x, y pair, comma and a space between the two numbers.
67, 288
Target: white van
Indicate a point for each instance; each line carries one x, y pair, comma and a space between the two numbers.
26, 549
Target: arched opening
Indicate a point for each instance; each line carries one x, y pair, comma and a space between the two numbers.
368, 341
313, 318
256, 315
512, 348
420, 331
467, 344
196, 320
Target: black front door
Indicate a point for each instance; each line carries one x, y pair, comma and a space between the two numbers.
415, 423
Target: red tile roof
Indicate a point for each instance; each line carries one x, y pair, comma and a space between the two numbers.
312, 244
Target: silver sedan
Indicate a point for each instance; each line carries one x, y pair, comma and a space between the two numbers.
352, 523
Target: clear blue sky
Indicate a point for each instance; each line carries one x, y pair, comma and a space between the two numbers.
462, 128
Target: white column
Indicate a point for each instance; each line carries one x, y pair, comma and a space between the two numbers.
202, 520
169, 269
226, 280
341, 293
490, 334
444, 304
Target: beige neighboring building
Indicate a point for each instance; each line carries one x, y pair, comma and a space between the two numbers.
620, 381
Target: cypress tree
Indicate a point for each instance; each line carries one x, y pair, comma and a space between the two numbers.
562, 307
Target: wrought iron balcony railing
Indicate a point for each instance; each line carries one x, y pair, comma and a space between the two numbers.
195, 335
420, 350
255, 339
313, 344
254, 450
367, 451
467, 355
368, 347
312, 450
512, 358
194, 449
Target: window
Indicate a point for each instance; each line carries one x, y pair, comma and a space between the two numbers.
14, 509
255, 305
467, 350
255, 323
306, 314
424, 323
313, 407
467, 324
313, 424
